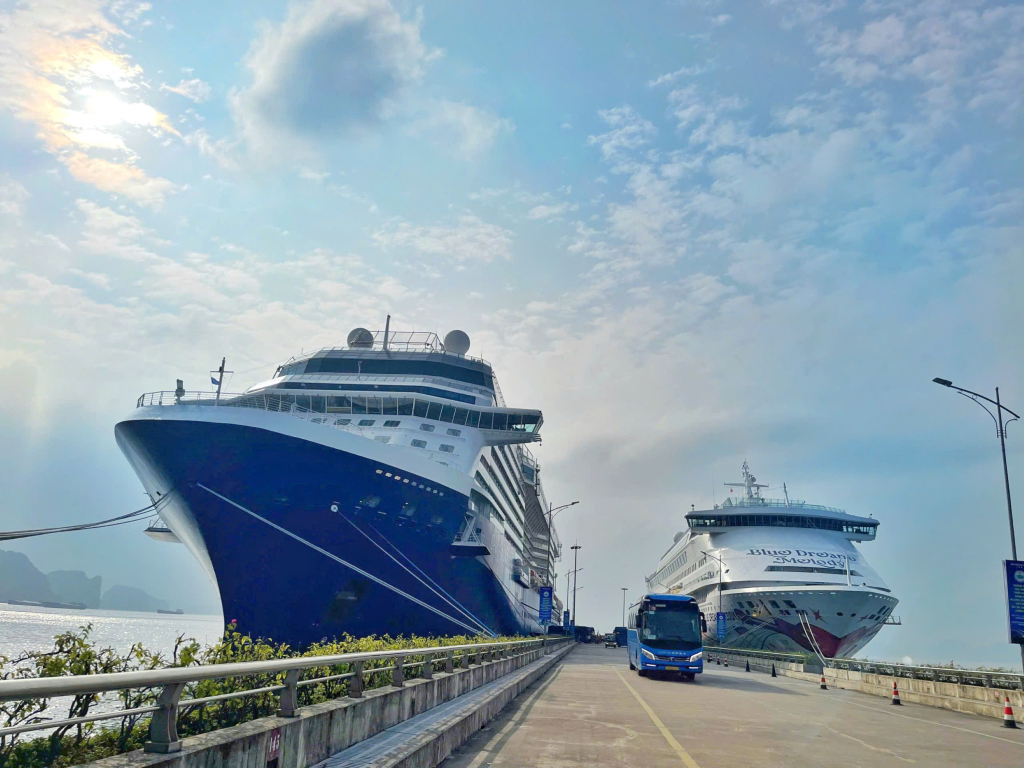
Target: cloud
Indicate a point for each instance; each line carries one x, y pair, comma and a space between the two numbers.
671, 77
469, 239
12, 197
468, 129
222, 151
629, 131
106, 232
195, 89
549, 211
332, 67
118, 178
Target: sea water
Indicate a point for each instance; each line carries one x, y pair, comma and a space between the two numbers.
24, 628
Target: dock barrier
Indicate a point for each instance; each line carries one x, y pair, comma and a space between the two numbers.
978, 692
421, 678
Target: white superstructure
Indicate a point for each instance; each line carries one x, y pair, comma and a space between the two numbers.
785, 574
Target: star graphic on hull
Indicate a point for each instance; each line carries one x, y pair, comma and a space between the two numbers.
817, 614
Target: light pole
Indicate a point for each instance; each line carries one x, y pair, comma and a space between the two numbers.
575, 553
623, 606
552, 512
997, 417
721, 565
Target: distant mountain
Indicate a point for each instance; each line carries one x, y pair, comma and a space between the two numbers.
75, 587
20, 580
122, 598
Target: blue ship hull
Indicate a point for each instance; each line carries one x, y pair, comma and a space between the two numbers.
277, 587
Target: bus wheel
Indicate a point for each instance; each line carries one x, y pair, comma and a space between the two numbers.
688, 676
641, 672
631, 667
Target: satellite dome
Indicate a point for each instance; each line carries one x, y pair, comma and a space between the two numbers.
677, 537
360, 338
456, 342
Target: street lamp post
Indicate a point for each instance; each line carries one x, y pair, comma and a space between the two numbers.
623, 605
721, 565
997, 417
575, 553
552, 512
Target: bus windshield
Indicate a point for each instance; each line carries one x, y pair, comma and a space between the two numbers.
671, 625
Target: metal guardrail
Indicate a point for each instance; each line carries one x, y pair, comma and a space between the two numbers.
984, 678
163, 733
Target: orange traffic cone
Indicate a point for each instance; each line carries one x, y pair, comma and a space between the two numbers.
1008, 721
823, 686
895, 694
726, 661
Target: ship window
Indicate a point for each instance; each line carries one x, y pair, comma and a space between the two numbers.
419, 443
790, 603
447, 448
774, 604
342, 422
339, 404
390, 406
420, 409
319, 404
461, 414
405, 406
382, 438
427, 427
474, 419
358, 405
433, 411
366, 422
302, 401
447, 413
391, 423
373, 405
500, 421
454, 432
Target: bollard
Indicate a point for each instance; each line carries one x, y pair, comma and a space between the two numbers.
773, 670
748, 665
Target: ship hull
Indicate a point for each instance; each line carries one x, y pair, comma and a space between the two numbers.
307, 540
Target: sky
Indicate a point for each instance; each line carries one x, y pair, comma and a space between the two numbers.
693, 233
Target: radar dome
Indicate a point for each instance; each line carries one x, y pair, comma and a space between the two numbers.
677, 537
456, 342
360, 338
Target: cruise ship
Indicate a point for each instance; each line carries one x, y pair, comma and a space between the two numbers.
782, 574
379, 488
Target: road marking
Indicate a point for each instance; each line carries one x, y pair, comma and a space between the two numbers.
683, 754
869, 746
941, 725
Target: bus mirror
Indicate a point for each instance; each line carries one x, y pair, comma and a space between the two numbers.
703, 623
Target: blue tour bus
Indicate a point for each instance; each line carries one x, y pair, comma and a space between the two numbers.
665, 634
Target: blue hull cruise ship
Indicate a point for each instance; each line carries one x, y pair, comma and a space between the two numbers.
380, 488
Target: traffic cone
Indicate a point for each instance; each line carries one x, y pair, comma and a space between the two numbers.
718, 661
773, 670
748, 665
727, 661
895, 694
823, 686
1008, 721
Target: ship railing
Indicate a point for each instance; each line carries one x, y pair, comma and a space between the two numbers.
392, 668
757, 503
981, 677
398, 341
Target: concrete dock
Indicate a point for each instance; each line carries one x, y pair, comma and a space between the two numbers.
591, 710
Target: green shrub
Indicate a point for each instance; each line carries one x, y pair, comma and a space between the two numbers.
76, 653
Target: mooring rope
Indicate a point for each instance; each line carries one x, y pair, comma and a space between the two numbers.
337, 559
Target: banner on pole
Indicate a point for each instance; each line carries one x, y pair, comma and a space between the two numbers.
720, 622
1013, 583
546, 594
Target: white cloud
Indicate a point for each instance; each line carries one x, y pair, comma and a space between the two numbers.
629, 131
106, 232
671, 77
467, 129
12, 197
469, 239
221, 151
332, 67
120, 179
549, 211
194, 89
